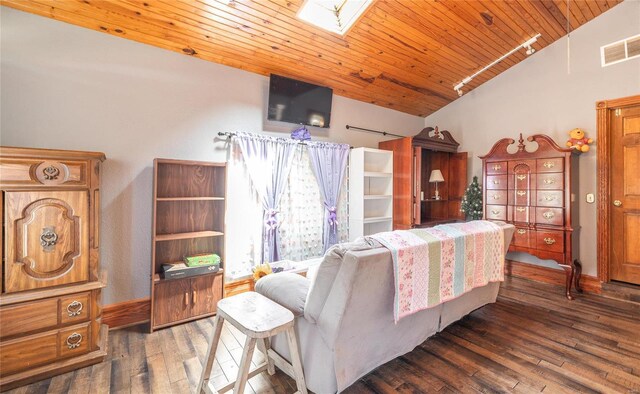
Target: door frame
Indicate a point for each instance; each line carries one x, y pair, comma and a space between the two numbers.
604, 110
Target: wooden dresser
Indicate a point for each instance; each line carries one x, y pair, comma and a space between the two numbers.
414, 158
50, 305
533, 190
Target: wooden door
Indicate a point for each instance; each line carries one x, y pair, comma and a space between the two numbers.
172, 301
206, 292
625, 195
47, 239
457, 184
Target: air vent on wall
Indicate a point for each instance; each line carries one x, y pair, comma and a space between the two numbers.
620, 51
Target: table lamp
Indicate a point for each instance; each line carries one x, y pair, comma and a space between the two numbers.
436, 176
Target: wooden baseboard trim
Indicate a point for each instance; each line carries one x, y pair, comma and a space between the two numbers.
590, 284
127, 313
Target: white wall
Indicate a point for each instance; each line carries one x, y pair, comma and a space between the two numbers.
67, 87
538, 96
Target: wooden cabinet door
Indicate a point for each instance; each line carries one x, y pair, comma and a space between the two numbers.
457, 184
417, 186
172, 301
402, 181
47, 237
206, 291
625, 195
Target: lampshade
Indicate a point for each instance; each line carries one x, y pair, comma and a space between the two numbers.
436, 176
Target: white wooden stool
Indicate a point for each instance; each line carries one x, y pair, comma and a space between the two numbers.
259, 319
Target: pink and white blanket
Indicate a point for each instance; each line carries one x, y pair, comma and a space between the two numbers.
438, 264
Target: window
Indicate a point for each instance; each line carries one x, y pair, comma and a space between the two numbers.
301, 215
334, 15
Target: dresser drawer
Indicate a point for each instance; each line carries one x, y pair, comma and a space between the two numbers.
521, 166
74, 340
496, 212
550, 198
496, 182
44, 314
74, 308
29, 316
552, 241
34, 350
33, 172
550, 165
522, 181
524, 237
550, 181
497, 197
552, 216
520, 214
497, 168
522, 197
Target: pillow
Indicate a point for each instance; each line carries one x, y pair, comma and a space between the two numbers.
286, 288
326, 274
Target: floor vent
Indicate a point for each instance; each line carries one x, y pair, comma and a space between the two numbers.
620, 51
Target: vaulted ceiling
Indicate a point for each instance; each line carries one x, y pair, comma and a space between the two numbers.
401, 54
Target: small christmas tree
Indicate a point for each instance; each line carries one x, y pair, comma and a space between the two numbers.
472, 200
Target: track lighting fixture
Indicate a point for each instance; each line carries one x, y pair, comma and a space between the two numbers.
527, 45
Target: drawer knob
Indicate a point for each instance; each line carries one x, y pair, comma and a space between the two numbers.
496, 196
521, 177
496, 167
496, 182
74, 340
521, 193
548, 164
520, 209
74, 308
522, 231
549, 198
50, 173
549, 241
548, 215
617, 203
495, 212
549, 181
48, 238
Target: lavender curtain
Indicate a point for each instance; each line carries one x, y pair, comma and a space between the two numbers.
329, 162
269, 162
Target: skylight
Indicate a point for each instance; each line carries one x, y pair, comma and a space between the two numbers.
333, 15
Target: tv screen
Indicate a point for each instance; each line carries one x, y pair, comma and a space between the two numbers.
299, 102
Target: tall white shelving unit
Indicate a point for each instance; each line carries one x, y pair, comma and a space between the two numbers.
370, 192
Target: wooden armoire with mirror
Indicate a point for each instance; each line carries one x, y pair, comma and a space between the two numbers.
50, 305
416, 161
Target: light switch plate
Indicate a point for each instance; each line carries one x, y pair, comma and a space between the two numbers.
591, 198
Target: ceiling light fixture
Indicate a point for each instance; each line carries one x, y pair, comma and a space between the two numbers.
528, 45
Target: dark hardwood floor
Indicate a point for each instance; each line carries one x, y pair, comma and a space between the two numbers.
532, 340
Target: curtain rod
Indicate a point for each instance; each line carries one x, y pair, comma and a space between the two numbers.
374, 131
229, 135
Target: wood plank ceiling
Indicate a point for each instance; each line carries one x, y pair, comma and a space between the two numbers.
401, 54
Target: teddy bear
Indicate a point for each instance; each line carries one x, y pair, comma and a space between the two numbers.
578, 141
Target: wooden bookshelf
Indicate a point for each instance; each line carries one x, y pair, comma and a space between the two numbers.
188, 219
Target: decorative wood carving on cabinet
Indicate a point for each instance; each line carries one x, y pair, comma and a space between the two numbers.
50, 305
414, 158
532, 190
189, 208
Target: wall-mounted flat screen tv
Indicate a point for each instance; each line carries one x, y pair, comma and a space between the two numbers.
299, 102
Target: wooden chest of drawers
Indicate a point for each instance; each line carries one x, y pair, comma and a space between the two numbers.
50, 305
532, 190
